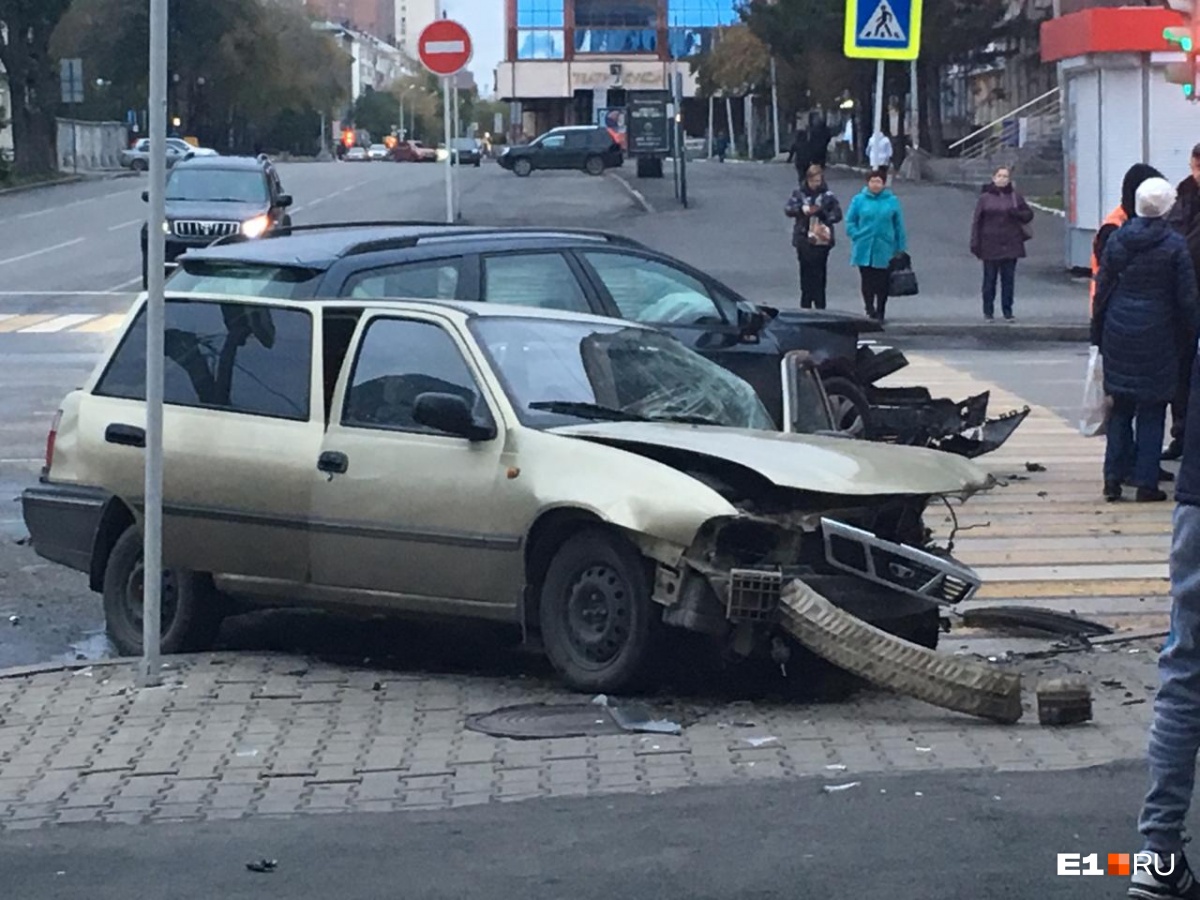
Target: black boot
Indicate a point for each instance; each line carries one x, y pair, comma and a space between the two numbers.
1174, 450
1150, 495
1112, 491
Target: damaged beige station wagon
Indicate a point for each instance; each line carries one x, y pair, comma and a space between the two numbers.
584, 479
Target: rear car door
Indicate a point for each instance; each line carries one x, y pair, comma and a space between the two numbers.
417, 516
240, 428
651, 291
546, 279
577, 149
427, 279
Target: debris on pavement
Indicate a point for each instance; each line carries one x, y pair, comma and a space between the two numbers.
837, 788
637, 718
1025, 619
263, 865
1034, 467
1064, 701
836, 767
760, 741
14, 620
896, 664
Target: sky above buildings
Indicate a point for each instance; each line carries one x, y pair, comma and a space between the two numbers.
485, 20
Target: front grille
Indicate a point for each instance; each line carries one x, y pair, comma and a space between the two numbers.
754, 595
901, 568
187, 228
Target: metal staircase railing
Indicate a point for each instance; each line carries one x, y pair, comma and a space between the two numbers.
1043, 119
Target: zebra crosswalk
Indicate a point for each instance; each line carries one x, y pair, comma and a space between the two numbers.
91, 323
1046, 538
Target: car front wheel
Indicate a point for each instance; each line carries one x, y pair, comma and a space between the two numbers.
596, 614
139, 165
522, 168
192, 609
594, 165
851, 409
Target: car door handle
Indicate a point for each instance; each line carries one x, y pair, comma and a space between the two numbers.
333, 462
125, 435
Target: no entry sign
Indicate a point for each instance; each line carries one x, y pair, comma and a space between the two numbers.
444, 47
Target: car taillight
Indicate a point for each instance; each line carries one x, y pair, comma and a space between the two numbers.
50, 439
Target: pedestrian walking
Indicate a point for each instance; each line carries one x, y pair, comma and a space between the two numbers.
1186, 220
875, 226
879, 152
998, 236
798, 153
818, 140
1145, 297
816, 211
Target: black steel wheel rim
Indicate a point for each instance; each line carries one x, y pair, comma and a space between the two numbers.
134, 597
598, 614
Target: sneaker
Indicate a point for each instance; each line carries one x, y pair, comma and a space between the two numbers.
1010, 319
989, 318
1112, 491
1151, 495
1181, 884
1174, 451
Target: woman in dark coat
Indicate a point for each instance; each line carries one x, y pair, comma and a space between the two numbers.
1145, 299
998, 239
816, 211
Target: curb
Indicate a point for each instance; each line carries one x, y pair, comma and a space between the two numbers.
64, 666
25, 188
637, 195
997, 333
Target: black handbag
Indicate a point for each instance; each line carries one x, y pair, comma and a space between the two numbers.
902, 280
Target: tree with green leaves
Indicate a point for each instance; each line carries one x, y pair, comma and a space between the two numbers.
25, 30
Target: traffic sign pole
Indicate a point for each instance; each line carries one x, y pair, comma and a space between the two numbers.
879, 88
445, 48
449, 153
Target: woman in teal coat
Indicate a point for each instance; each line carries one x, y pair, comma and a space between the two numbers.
875, 226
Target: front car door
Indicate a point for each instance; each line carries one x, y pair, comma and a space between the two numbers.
416, 517
241, 423
550, 151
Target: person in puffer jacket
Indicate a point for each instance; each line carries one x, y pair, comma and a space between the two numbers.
816, 211
1145, 299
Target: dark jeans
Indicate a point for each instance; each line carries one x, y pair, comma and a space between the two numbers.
1135, 439
875, 284
814, 271
1006, 271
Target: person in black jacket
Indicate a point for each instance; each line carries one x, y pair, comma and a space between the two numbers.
1146, 295
1186, 220
816, 211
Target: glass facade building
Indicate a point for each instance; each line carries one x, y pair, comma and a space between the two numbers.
664, 29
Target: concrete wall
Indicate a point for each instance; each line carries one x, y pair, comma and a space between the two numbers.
97, 145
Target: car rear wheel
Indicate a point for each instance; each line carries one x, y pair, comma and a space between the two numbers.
596, 614
192, 609
139, 165
522, 168
594, 165
851, 409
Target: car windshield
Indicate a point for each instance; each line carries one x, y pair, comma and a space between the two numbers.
244, 279
217, 186
562, 372
465, 144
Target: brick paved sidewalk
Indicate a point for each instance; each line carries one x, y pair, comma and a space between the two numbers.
238, 735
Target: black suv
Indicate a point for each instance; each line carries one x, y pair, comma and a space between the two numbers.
214, 197
588, 147
590, 271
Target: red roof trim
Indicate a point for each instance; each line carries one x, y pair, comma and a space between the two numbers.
1125, 29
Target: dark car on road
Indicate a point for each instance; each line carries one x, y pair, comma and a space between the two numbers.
591, 149
214, 197
589, 271
467, 152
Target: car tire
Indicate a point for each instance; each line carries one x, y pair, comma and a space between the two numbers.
140, 165
522, 168
850, 406
594, 165
192, 609
596, 615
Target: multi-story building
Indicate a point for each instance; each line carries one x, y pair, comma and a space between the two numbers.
374, 17
411, 18
374, 63
565, 60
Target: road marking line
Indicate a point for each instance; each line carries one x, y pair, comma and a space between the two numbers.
65, 293
116, 288
16, 460
16, 323
42, 252
128, 224
59, 323
101, 325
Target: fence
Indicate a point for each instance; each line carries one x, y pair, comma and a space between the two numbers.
90, 146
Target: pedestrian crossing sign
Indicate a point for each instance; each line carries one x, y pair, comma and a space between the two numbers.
883, 29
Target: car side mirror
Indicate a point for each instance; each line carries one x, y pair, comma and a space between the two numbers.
451, 414
145, 196
751, 321
285, 200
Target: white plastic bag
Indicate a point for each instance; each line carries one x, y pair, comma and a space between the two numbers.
1094, 414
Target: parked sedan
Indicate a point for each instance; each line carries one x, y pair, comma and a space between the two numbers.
137, 157
580, 478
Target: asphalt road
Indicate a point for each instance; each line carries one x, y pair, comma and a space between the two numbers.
946, 837
69, 262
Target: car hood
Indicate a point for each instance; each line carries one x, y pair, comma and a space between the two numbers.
827, 465
214, 212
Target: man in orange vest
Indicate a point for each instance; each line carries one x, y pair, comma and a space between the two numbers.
1137, 174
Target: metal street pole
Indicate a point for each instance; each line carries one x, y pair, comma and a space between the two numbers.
151, 674
915, 130
712, 135
732, 135
878, 119
775, 105
449, 167
454, 133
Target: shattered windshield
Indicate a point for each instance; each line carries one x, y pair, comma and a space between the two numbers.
563, 373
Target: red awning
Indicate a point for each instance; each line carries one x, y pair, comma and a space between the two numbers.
1124, 29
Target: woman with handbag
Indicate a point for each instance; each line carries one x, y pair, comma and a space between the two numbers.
998, 235
875, 226
1146, 297
816, 211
